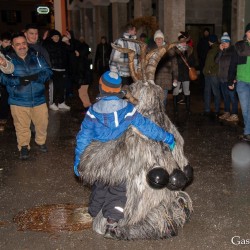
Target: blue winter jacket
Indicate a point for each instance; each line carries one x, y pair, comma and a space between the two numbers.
108, 119
33, 94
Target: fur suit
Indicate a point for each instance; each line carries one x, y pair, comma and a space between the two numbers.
149, 213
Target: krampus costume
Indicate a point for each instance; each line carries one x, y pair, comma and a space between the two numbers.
146, 171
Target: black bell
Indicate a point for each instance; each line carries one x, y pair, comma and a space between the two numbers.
157, 178
177, 180
189, 172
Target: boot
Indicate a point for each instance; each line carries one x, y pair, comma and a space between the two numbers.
187, 101
175, 98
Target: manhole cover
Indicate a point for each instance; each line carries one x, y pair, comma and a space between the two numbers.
55, 217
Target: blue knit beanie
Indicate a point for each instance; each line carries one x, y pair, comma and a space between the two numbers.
110, 83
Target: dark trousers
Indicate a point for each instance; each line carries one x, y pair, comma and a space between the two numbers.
59, 85
4, 106
111, 200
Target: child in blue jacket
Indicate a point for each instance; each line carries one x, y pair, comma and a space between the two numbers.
107, 120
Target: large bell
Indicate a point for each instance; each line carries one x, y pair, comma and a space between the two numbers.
177, 180
189, 172
157, 178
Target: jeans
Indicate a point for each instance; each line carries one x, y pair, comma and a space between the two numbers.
243, 90
212, 84
185, 88
229, 96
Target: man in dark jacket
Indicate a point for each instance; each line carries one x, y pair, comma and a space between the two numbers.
26, 94
223, 58
58, 53
102, 55
212, 83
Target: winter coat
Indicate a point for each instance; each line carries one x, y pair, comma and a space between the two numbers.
119, 61
167, 70
108, 119
202, 50
183, 71
223, 58
211, 68
41, 50
84, 72
9, 68
239, 60
32, 94
58, 54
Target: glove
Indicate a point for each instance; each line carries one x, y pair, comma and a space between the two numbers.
76, 170
25, 80
170, 141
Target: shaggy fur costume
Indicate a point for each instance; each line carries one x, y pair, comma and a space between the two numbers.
148, 212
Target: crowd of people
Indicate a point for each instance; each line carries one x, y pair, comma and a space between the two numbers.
68, 58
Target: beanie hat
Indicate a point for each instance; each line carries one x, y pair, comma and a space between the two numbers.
212, 38
54, 33
247, 27
225, 38
158, 34
110, 83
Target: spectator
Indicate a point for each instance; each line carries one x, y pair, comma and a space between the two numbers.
107, 120
167, 69
119, 61
26, 94
230, 96
210, 72
202, 50
32, 36
239, 78
84, 72
102, 55
58, 54
5, 48
72, 62
183, 50
143, 38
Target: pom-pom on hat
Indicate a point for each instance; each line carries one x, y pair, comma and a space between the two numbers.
247, 27
212, 38
110, 83
158, 34
225, 38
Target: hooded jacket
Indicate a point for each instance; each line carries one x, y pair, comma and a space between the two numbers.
108, 119
32, 94
211, 68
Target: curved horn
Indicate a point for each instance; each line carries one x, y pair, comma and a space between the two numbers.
131, 55
153, 58
142, 62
